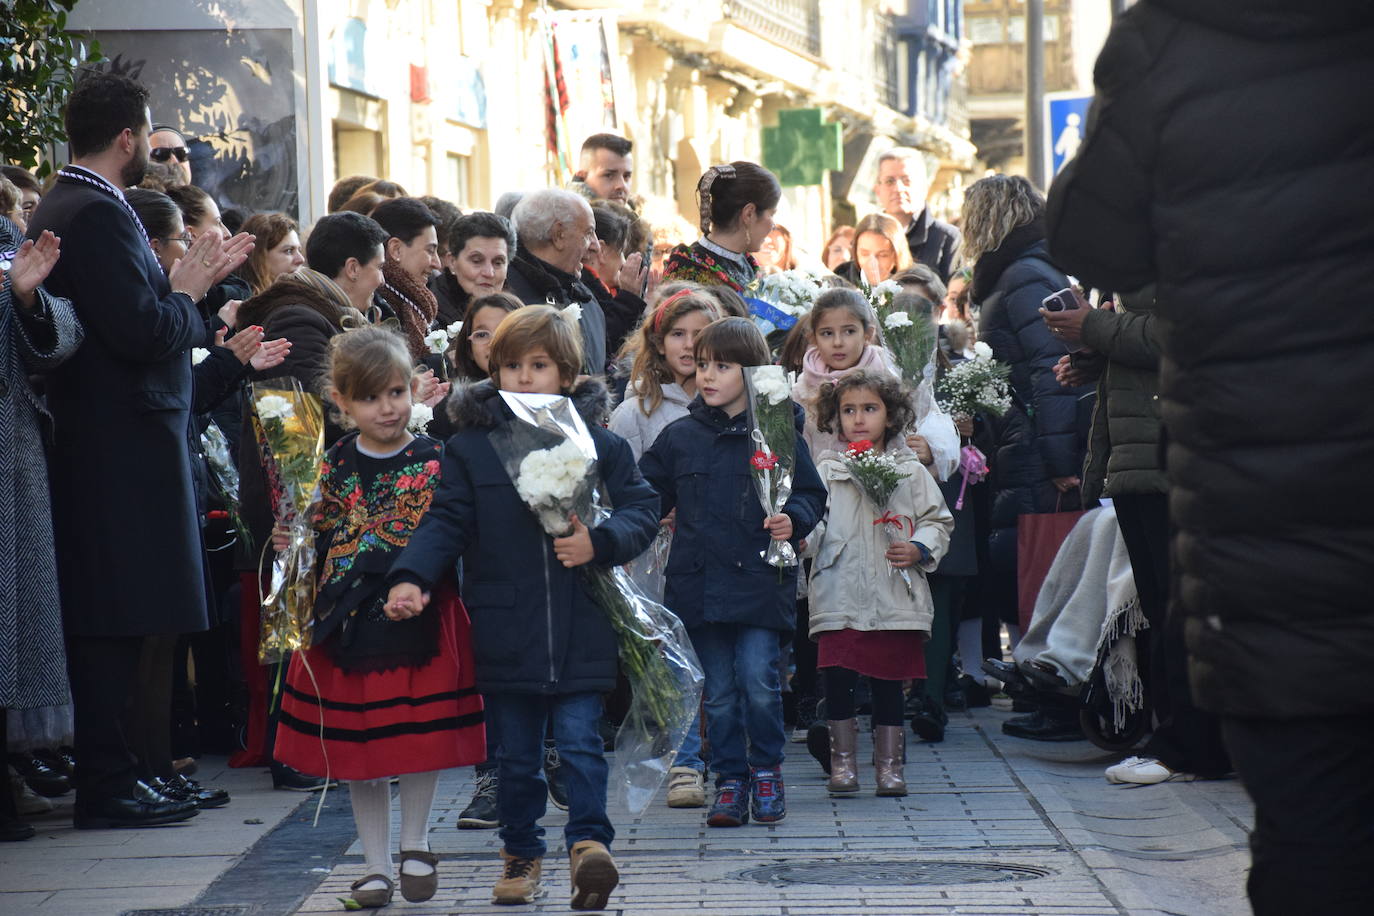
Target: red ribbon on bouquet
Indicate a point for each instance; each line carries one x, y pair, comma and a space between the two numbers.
901, 521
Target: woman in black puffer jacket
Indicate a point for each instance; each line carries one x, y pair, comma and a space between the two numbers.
1042, 439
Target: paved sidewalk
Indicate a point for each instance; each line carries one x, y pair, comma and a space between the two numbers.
994, 825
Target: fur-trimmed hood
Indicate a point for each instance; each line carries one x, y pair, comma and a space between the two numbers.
477, 405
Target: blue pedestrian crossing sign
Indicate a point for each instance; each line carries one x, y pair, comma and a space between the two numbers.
1066, 118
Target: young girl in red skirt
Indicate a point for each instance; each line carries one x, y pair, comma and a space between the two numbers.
865, 618
373, 697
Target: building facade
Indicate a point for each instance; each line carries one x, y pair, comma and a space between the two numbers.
461, 98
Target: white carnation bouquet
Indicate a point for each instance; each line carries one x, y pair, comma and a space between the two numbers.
977, 385
792, 291
551, 459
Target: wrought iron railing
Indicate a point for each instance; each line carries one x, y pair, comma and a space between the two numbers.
794, 24
885, 59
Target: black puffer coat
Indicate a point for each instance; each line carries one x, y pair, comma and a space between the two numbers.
1045, 433
1229, 156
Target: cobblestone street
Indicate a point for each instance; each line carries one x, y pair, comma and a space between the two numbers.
993, 825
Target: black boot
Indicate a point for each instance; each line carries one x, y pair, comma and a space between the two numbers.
1048, 723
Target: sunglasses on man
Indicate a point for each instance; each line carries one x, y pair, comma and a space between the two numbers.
164, 153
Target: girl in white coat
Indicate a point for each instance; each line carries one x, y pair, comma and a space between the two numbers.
867, 619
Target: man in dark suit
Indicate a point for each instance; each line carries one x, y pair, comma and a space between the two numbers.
125, 522
901, 187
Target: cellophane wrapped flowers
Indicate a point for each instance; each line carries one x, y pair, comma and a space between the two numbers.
224, 473
551, 459
288, 425
879, 475
977, 385
773, 433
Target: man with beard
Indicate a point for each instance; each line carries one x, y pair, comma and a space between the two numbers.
125, 521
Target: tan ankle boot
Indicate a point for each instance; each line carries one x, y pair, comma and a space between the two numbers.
519, 880
844, 770
889, 757
593, 875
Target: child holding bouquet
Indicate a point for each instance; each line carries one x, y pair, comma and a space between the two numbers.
736, 606
545, 650
662, 385
884, 513
376, 696
843, 330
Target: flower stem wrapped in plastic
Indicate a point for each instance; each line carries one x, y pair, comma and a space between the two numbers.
774, 435
288, 424
551, 459
225, 475
879, 476
911, 336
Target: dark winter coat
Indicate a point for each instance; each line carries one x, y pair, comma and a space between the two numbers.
537, 282
453, 299
127, 534
1045, 433
700, 466
1123, 451
1229, 158
535, 627
934, 243
623, 310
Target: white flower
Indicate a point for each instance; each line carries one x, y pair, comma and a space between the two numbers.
275, 407
887, 288
551, 474
198, 355
420, 415
897, 320
982, 351
437, 341
453, 329
771, 383
573, 312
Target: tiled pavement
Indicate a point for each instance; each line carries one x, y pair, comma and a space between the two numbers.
978, 799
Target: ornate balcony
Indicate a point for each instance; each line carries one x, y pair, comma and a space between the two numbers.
794, 24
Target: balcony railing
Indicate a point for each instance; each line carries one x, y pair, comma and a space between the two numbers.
885, 60
794, 24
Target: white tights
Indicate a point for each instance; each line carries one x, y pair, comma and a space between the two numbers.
372, 814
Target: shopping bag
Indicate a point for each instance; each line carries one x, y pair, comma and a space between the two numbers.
1038, 539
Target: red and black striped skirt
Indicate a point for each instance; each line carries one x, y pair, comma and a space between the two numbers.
350, 725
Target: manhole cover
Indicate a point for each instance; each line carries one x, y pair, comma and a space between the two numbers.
889, 873
230, 910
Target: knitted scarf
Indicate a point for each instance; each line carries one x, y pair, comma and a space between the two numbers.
413, 304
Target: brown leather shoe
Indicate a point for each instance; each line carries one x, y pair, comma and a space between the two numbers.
377, 897
519, 880
419, 888
593, 875
844, 771
889, 756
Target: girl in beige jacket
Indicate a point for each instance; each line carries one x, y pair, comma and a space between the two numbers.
870, 604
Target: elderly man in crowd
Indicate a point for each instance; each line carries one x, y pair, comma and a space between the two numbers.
902, 186
130, 557
554, 229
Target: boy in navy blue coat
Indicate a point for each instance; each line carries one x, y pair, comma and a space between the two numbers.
544, 650
735, 606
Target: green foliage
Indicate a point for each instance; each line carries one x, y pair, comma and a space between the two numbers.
39, 60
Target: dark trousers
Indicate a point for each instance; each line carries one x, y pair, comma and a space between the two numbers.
1186, 738
947, 597
1313, 843
148, 718
103, 671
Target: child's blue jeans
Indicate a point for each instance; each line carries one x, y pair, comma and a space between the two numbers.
522, 795
743, 697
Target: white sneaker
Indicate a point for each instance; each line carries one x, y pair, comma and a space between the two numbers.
686, 788
1144, 771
